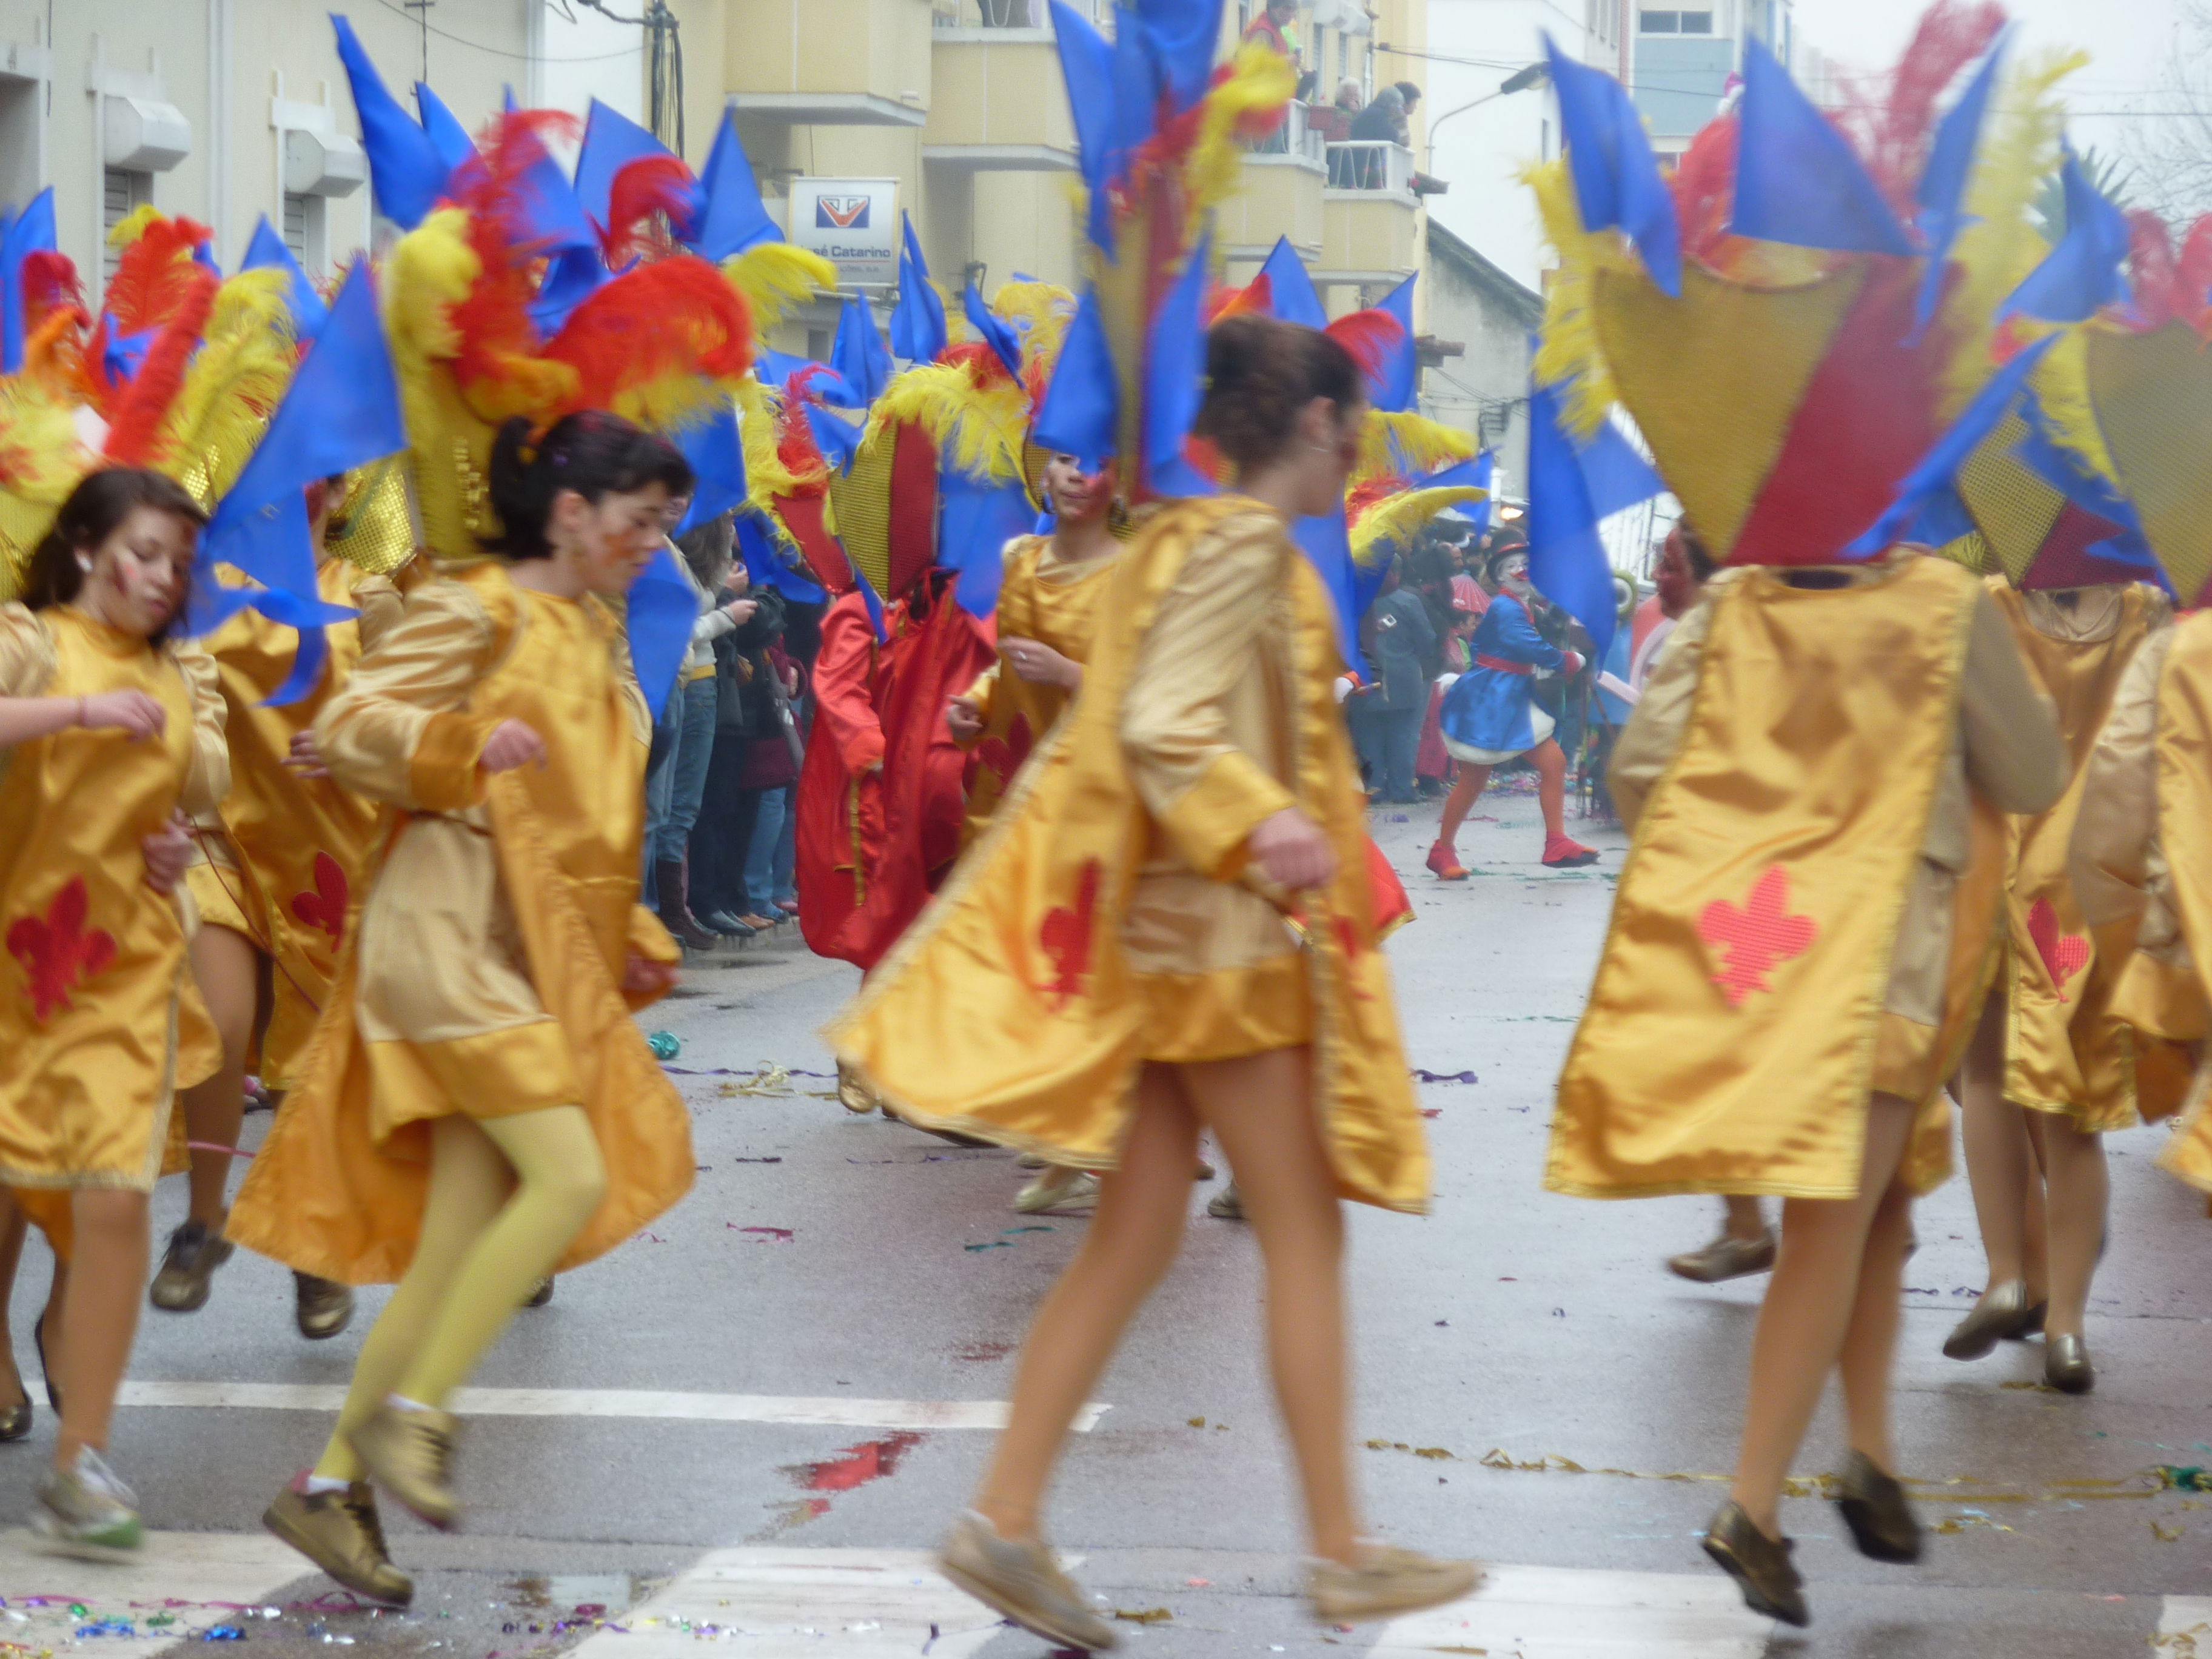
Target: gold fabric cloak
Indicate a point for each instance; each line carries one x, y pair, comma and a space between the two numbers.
1738, 1019
99, 1019
1023, 1003
484, 976
2065, 1050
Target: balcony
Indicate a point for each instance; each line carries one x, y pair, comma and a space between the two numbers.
996, 102
1370, 216
829, 62
1282, 193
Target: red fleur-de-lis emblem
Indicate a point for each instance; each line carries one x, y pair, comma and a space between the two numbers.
1003, 756
1349, 941
1065, 937
324, 907
1756, 938
2064, 955
57, 951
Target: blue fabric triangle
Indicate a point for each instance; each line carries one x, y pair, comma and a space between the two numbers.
1797, 179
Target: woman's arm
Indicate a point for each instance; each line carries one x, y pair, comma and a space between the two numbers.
396, 731
208, 781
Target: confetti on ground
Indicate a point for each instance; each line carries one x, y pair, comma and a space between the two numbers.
1147, 1616
665, 1045
768, 1235
1422, 1074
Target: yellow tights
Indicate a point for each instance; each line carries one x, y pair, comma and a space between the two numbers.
507, 1196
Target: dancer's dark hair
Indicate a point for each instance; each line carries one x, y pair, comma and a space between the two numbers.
1261, 374
95, 511
593, 453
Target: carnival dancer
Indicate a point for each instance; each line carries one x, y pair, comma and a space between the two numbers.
1491, 714
113, 732
273, 876
2052, 1068
1125, 916
480, 1020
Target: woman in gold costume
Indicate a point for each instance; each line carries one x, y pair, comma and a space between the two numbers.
1797, 955
1111, 967
2051, 1067
477, 1107
108, 732
273, 876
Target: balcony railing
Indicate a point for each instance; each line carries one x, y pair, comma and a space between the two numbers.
1371, 164
1010, 14
1298, 135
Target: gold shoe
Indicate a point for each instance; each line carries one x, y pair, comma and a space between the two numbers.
410, 1454
1725, 1258
1021, 1580
1058, 1190
15, 1421
1386, 1581
1227, 1204
1760, 1566
338, 1531
1874, 1508
2002, 1312
854, 1096
2066, 1366
323, 1307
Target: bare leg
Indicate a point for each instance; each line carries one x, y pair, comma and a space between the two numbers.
1259, 1108
1999, 1163
1551, 763
2079, 1191
1467, 789
1132, 1240
227, 967
12, 1232
1808, 1310
1870, 1339
1744, 1219
99, 1316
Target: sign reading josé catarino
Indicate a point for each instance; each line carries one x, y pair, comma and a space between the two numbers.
851, 222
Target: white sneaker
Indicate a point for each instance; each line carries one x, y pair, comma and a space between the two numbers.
87, 1510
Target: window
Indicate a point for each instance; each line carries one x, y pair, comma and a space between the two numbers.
122, 194
306, 231
1675, 22
295, 225
1697, 22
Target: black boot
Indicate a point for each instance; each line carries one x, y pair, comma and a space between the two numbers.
675, 915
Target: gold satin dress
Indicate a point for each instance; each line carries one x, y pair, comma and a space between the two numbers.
484, 975
2065, 1051
1053, 601
99, 1017
1807, 909
1109, 916
283, 863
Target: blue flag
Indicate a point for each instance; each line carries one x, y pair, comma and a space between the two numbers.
1797, 179
871, 600
267, 249
917, 332
1616, 176
2085, 271
1327, 543
1175, 369
611, 141
976, 517
1567, 562
994, 329
1291, 295
454, 146
662, 608
406, 174
858, 355
341, 411
768, 564
1086, 68
1942, 190
717, 459
1081, 412
30, 232
1392, 389
731, 215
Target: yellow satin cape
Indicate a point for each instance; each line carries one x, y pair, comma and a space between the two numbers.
1737, 1023
2185, 831
974, 1022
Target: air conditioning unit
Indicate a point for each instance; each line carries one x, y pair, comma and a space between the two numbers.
144, 135
317, 163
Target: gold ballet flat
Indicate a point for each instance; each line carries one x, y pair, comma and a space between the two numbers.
1760, 1566
2066, 1366
2003, 1313
1874, 1508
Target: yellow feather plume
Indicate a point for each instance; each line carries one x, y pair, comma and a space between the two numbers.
1391, 525
129, 228
1567, 352
767, 477
978, 430
1258, 81
2001, 245
2060, 384
234, 383
429, 269
774, 277
1406, 443
1041, 313
41, 459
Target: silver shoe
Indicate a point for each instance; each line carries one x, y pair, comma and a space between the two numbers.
87, 1510
1056, 1190
1386, 1581
1227, 1204
1021, 1580
2002, 1312
2066, 1366
1725, 1258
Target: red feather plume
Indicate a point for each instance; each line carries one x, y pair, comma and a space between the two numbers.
1258, 295
1891, 126
794, 437
134, 430
1369, 336
981, 362
49, 280
650, 184
1704, 184
155, 275
1372, 492
493, 319
670, 316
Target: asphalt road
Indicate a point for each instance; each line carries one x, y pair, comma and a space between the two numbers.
748, 1426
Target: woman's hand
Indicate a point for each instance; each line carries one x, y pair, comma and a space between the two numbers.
1293, 851
169, 849
740, 611
305, 758
510, 745
965, 716
644, 977
134, 712
1040, 665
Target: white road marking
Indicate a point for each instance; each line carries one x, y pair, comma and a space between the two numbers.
805, 1604
200, 1570
2184, 1628
1566, 1612
837, 1413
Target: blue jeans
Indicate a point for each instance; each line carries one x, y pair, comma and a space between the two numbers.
768, 859
1389, 740
674, 785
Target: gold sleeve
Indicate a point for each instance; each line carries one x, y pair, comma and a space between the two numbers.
208, 781
2115, 835
26, 652
1206, 793
1647, 744
2014, 756
984, 687
397, 731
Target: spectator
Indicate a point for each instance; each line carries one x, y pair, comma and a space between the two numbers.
683, 737
775, 686
722, 838
1381, 122
1273, 27
1404, 637
1683, 569
1408, 96
1349, 98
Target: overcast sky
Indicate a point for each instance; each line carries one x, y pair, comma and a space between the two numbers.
2129, 41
